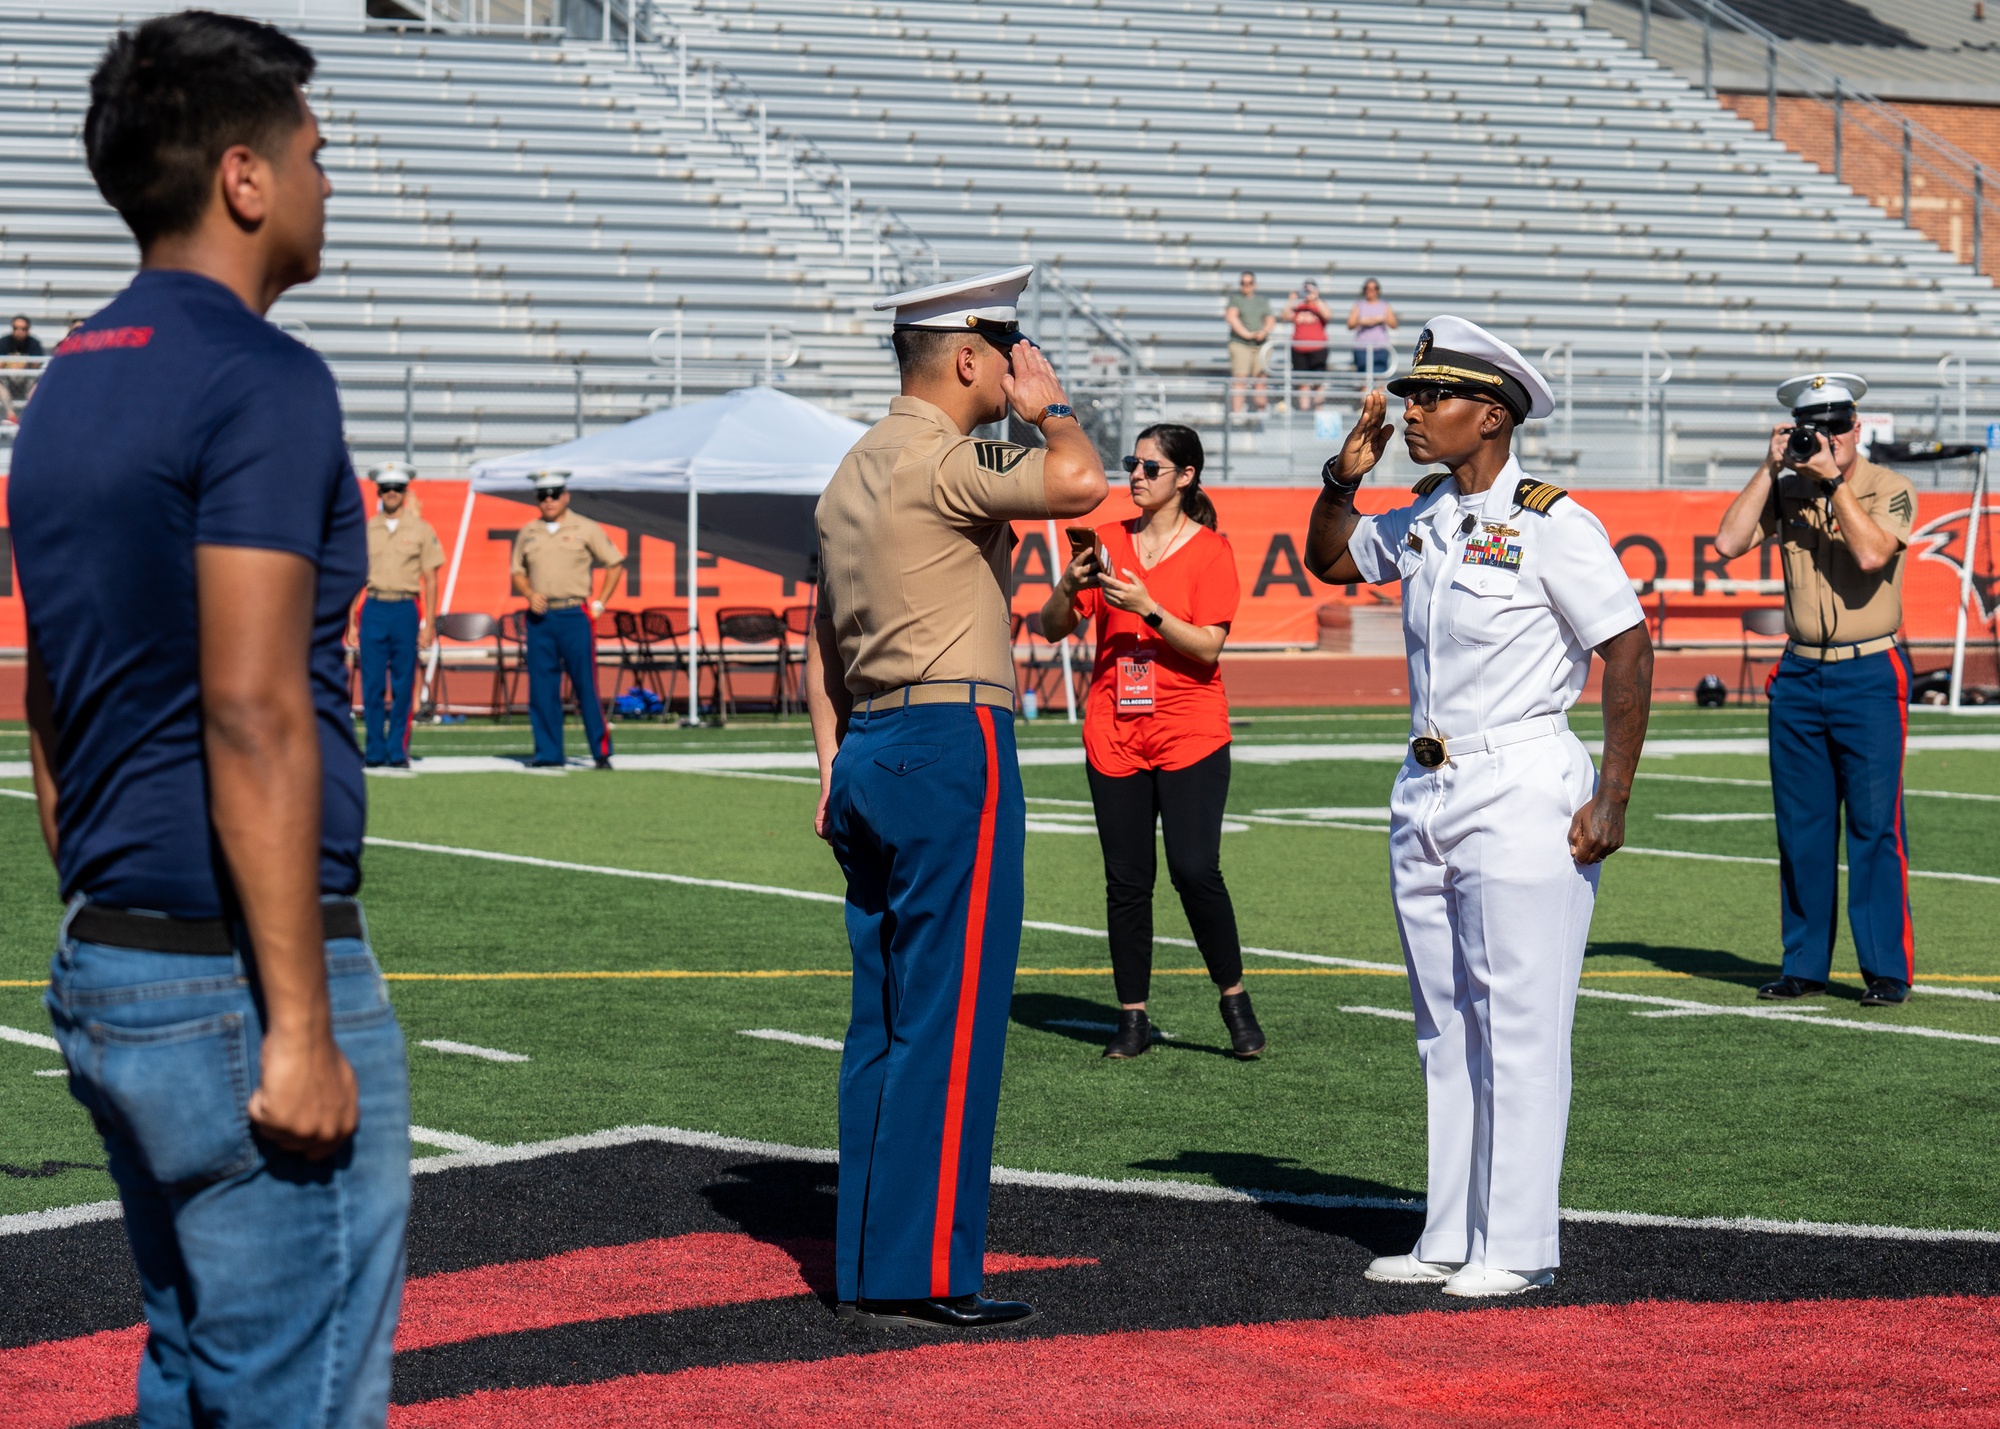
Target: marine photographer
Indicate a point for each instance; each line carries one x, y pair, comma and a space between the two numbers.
1840, 694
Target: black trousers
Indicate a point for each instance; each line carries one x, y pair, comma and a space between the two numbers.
1188, 806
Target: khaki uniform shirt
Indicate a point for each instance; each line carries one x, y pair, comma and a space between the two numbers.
398, 559
558, 563
915, 551
1829, 600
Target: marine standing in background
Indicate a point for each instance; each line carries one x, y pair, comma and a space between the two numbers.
910, 683
1498, 825
1840, 695
404, 558
553, 558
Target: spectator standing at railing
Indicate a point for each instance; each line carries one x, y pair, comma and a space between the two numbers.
1163, 590
20, 342
1250, 319
1308, 314
1840, 694
1371, 320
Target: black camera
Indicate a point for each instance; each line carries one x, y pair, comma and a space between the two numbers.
1803, 443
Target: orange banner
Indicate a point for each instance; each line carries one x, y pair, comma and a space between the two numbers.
1665, 536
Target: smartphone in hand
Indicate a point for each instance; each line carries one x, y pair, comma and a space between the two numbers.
1083, 542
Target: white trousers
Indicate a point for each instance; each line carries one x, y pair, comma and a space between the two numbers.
1494, 915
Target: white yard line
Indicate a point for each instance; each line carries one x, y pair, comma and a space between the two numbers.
27, 794
466, 1049
1081, 1025
1746, 818
482, 1154
797, 1039
1681, 1007
30, 1039
1394, 1014
448, 1140
1766, 783
646, 874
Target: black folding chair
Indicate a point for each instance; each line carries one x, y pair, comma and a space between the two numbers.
1763, 640
799, 622
669, 643
468, 627
750, 638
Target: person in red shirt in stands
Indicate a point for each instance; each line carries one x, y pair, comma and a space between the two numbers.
1163, 590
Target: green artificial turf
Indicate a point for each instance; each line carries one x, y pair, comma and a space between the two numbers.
1717, 1115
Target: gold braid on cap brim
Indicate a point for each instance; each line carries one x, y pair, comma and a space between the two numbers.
1437, 371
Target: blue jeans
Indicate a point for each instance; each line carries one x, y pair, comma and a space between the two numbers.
388, 657
271, 1283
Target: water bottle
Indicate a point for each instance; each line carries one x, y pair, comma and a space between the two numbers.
1031, 704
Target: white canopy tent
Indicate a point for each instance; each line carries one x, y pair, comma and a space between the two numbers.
757, 458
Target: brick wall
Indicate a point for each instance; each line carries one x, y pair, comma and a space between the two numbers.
1872, 163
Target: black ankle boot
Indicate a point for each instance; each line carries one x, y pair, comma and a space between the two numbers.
1246, 1038
1134, 1035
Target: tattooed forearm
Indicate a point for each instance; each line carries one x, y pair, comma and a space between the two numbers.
1628, 703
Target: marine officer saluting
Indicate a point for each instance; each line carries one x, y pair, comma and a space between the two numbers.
403, 562
1840, 694
1498, 823
553, 559
910, 683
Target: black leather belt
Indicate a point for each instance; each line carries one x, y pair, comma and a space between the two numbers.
204, 937
390, 597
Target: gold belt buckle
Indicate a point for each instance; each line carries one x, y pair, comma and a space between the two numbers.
1427, 751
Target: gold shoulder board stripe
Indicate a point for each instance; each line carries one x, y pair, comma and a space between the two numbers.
1537, 496
1427, 484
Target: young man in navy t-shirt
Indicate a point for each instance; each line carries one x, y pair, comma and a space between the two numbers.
189, 537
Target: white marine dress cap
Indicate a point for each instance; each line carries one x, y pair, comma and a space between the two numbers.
985, 304
392, 473
550, 480
1822, 389
1456, 353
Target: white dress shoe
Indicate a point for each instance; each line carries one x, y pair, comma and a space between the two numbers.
1476, 1282
1407, 1270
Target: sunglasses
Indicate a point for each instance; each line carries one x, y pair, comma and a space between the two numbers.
1151, 468
1429, 397
550, 495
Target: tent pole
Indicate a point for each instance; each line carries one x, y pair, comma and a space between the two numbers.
1069, 686
450, 589
694, 605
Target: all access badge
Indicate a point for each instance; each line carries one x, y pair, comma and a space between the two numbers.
1135, 683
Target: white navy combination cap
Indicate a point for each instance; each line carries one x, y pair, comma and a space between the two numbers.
549, 481
1822, 389
392, 473
1465, 357
985, 305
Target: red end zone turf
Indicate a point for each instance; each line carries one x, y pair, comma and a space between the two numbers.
1886, 1364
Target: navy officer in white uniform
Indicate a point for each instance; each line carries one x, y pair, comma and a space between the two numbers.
1498, 823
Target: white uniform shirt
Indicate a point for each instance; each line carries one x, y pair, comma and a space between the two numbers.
1499, 621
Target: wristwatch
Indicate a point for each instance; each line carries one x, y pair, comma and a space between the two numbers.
1155, 618
1058, 409
1327, 477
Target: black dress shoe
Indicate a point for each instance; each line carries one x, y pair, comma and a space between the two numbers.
1134, 1035
1246, 1038
1885, 992
943, 1312
1789, 989
603, 763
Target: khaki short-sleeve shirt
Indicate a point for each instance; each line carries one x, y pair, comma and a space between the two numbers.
1829, 600
558, 562
399, 559
915, 551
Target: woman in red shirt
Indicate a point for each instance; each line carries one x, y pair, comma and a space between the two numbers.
1163, 591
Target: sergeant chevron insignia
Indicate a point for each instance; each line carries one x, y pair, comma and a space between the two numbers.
1900, 506
998, 457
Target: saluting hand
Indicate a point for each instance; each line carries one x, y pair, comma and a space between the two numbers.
1031, 383
1369, 439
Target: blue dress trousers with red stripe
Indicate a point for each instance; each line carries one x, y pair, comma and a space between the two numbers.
1837, 735
388, 657
561, 640
926, 817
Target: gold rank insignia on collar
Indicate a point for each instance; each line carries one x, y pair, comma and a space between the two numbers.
998, 457
1537, 496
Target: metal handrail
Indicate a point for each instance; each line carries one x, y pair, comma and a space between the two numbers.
679, 361
1903, 130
